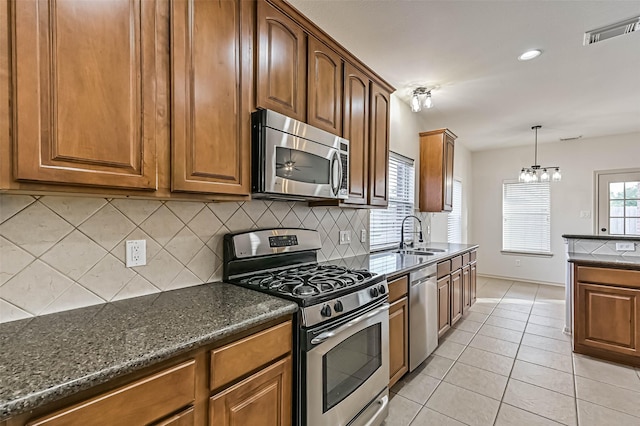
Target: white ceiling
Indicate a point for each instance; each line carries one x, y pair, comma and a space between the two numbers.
469, 50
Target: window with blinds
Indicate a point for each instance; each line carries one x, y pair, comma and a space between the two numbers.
454, 218
526, 217
384, 226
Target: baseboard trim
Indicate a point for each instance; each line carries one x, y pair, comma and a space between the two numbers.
500, 277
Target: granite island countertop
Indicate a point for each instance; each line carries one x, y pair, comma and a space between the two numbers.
47, 358
604, 260
396, 264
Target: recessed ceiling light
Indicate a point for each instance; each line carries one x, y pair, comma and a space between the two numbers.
529, 54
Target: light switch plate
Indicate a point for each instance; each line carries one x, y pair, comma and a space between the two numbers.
625, 247
136, 253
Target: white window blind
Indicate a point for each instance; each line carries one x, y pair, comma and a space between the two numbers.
454, 218
526, 217
384, 226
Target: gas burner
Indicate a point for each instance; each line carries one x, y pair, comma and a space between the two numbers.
306, 281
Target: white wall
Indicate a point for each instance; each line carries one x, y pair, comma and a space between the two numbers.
404, 139
578, 160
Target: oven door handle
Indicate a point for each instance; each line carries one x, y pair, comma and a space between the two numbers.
329, 334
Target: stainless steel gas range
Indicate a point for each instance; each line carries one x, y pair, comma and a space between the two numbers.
342, 344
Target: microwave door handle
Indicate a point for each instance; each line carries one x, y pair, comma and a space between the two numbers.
334, 332
335, 184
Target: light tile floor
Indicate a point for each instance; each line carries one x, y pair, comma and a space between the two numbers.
507, 362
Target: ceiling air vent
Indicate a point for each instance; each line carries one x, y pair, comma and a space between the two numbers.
574, 138
613, 30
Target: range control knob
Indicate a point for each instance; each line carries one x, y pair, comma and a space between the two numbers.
325, 311
381, 289
338, 306
374, 292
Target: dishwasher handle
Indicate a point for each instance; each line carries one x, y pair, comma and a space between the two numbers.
423, 280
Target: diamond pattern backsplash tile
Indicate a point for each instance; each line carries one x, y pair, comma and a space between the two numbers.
601, 247
61, 253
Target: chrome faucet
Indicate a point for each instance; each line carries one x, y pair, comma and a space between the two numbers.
420, 240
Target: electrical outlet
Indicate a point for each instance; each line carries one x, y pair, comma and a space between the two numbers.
585, 214
136, 253
345, 237
625, 247
363, 235
518, 262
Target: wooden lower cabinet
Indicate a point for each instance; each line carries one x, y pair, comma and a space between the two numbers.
183, 418
466, 288
398, 340
444, 305
473, 282
456, 296
606, 317
262, 399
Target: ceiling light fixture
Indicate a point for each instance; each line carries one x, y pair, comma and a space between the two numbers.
530, 54
421, 97
537, 173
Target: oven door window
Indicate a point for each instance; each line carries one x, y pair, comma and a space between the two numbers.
302, 166
350, 363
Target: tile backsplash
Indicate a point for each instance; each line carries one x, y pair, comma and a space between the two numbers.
600, 246
60, 253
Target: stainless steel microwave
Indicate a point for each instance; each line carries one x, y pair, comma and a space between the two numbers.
293, 160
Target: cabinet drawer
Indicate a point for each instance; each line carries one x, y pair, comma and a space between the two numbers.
472, 255
140, 402
444, 268
398, 288
618, 277
244, 356
456, 263
465, 259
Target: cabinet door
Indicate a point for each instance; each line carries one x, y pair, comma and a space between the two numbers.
398, 340
183, 418
262, 399
84, 92
456, 296
211, 86
444, 305
356, 130
606, 318
324, 87
282, 63
473, 282
379, 147
466, 288
448, 173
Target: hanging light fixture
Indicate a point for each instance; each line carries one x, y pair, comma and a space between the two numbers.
538, 173
421, 97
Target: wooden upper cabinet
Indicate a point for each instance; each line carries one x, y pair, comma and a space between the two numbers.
356, 130
211, 96
282, 63
324, 87
436, 170
84, 92
379, 146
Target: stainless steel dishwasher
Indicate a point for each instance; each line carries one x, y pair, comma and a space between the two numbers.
423, 315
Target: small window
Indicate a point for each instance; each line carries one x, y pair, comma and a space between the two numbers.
618, 198
454, 218
526, 217
385, 224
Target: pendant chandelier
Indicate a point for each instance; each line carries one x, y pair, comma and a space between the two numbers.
538, 173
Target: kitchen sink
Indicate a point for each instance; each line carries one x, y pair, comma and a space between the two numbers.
415, 252
434, 250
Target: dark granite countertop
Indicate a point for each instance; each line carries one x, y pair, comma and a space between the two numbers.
604, 260
395, 264
602, 237
49, 357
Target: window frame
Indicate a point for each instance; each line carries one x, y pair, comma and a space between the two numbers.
407, 205
534, 253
